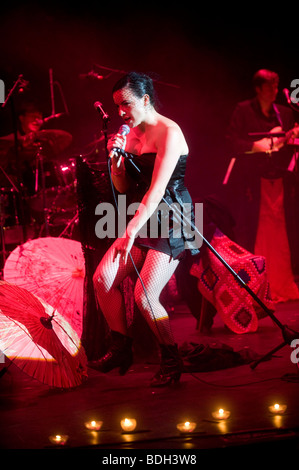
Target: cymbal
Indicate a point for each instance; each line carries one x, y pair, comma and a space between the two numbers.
97, 141
58, 139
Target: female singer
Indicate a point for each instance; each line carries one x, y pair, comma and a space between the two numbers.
160, 151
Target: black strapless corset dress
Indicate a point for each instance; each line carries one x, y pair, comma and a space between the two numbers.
178, 238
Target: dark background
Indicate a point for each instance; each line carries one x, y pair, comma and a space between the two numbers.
203, 63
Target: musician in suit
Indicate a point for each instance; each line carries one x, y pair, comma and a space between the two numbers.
260, 114
264, 192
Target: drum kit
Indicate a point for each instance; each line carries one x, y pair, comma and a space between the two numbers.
38, 194
38, 186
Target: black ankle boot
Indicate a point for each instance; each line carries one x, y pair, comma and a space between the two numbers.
119, 355
170, 368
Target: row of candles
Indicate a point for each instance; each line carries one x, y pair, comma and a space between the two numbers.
128, 425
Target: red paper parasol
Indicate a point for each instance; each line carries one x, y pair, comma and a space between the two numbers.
38, 339
52, 269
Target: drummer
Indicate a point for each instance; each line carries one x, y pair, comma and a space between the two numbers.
31, 120
21, 167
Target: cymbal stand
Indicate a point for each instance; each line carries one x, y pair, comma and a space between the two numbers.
19, 83
40, 165
3, 248
2, 220
69, 225
105, 119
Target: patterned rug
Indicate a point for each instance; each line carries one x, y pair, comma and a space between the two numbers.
236, 307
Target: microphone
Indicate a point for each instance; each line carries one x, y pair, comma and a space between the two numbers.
92, 75
287, 95
53, 116
98, 107
23, 84
123, 130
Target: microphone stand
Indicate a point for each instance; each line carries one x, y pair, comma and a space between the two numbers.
106, 119
288, 334
40, 164
124, 72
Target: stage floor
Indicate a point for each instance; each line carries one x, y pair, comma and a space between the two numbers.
30, 412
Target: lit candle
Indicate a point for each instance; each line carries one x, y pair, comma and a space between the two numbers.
187, 426
221, 414
128, 425
277, 409
277, 421
94, 425
59, 439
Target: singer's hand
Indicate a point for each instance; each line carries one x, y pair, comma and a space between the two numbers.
122, 247
117, 141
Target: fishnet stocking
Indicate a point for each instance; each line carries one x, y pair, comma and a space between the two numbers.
157, 269
107, 278
155, 273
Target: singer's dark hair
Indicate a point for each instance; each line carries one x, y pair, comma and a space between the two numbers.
140, 84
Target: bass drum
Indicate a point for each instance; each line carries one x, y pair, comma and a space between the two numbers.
11, 216
9, 207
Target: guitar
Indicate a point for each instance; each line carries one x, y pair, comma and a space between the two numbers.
275, 143
271, 144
